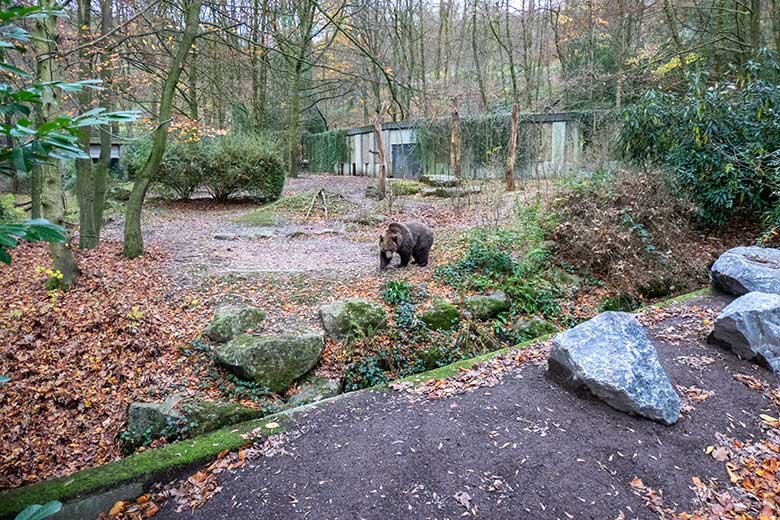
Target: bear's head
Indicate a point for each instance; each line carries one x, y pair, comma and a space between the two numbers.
388, 242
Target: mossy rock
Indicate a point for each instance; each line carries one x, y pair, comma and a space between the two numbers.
451, 193
231, 320
487, 307
352, 319
532, 328
207, 416
179, 418
563, 278
439, 181
272, 361
401, 187
313, 389
432, 358
442, 315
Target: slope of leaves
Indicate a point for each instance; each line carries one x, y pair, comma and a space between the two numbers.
77, 359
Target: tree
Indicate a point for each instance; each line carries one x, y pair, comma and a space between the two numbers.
133, 237
53, 136
380, 148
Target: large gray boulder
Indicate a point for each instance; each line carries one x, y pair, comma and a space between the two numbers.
352, 319
231, 320
272, 361
487, 307
180, 417
745, 269
612, 356
750, 326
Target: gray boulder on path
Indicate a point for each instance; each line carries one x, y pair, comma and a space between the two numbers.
231, 320
750, 326
746, 269
272, 361
612, 356
352, 319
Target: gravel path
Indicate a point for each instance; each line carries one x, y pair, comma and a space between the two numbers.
524, 448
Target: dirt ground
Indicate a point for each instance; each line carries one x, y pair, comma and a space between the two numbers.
210, 236
291, 268
521, 448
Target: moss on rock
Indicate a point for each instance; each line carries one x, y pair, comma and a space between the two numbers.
231, 320
352, 319
533, 328
442, 315
484, 307
313, 389
272, 361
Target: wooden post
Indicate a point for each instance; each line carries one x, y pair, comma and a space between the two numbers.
455, 140
510, 157
380, 149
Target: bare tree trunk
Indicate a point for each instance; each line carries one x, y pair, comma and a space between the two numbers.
512, 154
100, 169
380, 148
259, 63
671, 19
51, 198
134, 242
776, 24
475, 56
755, 24
85, 185
455, 140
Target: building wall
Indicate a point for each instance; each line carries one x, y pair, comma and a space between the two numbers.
555, 144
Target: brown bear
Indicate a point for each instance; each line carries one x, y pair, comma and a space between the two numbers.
411, 239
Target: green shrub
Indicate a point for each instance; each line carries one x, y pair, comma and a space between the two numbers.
8, 213
182, 168
225, 166
243, 165
397, 292
720, 140
512, 260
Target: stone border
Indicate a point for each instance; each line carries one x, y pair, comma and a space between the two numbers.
91, 491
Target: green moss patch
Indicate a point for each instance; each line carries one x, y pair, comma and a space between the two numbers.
465, 364
142, 466
704, 291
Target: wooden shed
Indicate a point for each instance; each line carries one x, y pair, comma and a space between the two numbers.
550, 144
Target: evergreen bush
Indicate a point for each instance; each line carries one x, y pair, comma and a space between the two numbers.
721, 141
225, 166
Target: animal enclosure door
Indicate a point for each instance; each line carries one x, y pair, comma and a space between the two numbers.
405, 164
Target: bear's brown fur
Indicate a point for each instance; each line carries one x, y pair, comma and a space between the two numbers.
409, 240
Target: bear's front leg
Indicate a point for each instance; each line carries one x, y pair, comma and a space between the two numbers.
404, 259
384, 260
